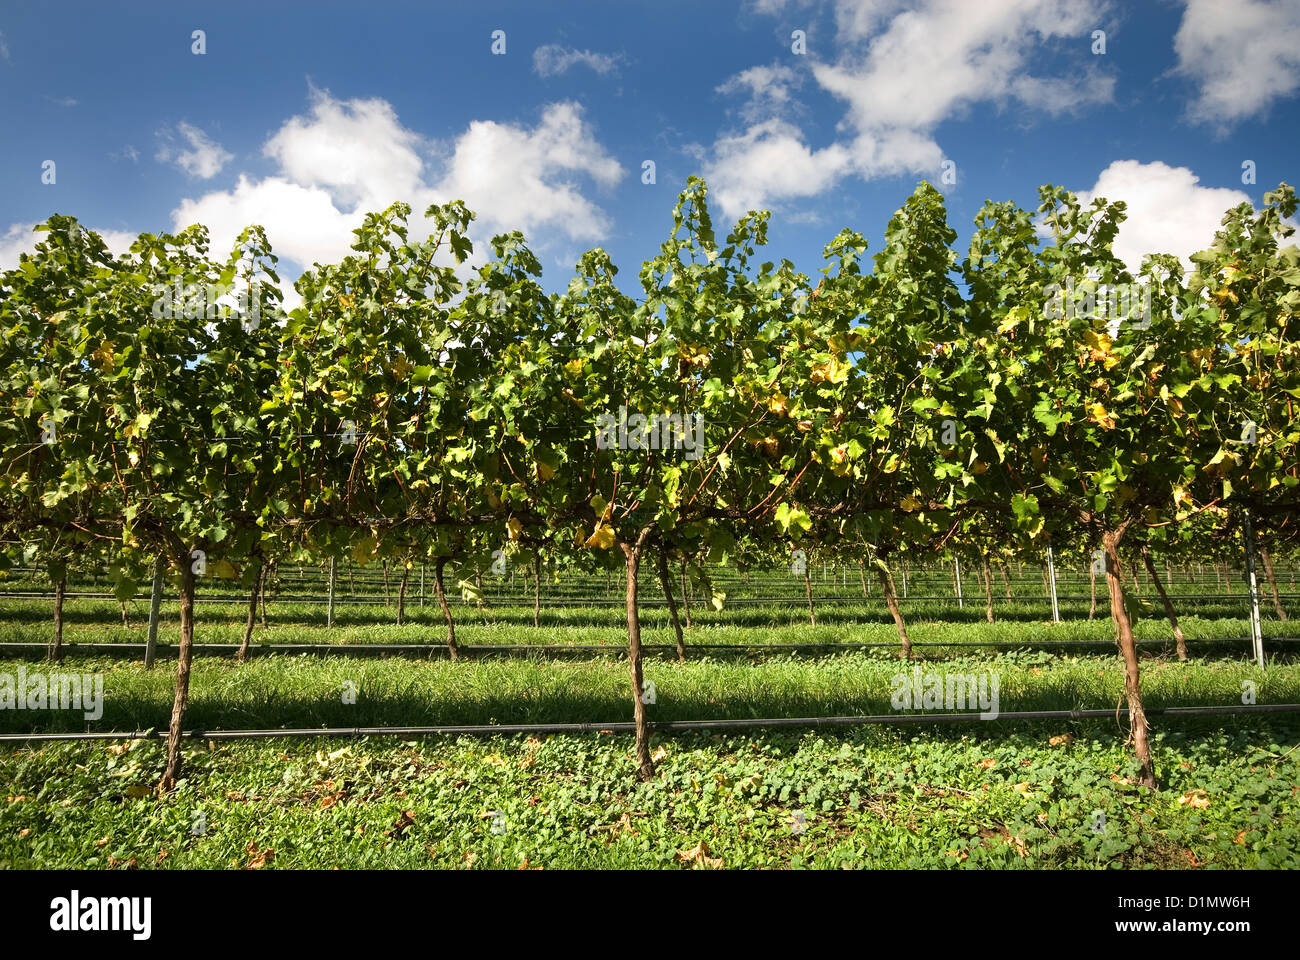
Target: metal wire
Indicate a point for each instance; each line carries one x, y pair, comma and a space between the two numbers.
623, 726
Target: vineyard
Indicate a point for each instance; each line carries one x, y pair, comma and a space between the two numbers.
933, 560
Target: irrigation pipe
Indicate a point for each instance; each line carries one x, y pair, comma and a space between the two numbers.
667, 726
18, 649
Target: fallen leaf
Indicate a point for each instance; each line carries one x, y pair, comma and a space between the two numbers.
1064, 739
660, 754
698, 857
1195, 799
258, 858
400, 825
987, 763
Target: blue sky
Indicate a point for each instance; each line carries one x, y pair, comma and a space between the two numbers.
303, 116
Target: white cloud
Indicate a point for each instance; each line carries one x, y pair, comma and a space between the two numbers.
553, 59
4, 48
1242, 56
204, 159
770, 91
344, 159
1168, 211
62, 101
769, 162
357, 150
19, 238
514, 177
302, 223
901, 70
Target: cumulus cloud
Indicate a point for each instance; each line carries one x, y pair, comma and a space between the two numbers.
4, 48
552, 59
1241, 56
1168, 210
769, 162
901, 70
204, 159
345, 158
769, 91
516, 177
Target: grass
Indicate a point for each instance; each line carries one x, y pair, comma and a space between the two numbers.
985, 794
278, 691
868, 798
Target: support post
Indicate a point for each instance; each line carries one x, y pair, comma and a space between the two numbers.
1252, 588
329, 612
956, 564
1051, 582
155, 605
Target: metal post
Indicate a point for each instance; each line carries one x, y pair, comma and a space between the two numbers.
904, 579
422, 583
1051, 583
155, 604
1256, 631
961, 604
329, 615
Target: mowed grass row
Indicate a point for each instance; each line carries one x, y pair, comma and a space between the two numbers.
95, 621
283, 691
1039, 795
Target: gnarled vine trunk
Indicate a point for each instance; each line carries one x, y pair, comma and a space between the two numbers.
891, 601
184, 656
645, 765
1179, 639
666, 581
242, 655
1272, 582
453, 651
1128, 652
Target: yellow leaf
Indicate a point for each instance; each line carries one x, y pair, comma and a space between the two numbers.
1097, 413
833, 370
515, 528
602, 537
1196, 799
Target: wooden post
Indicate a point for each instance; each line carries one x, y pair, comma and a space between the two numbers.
329, 609
155, 605
1051, 581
